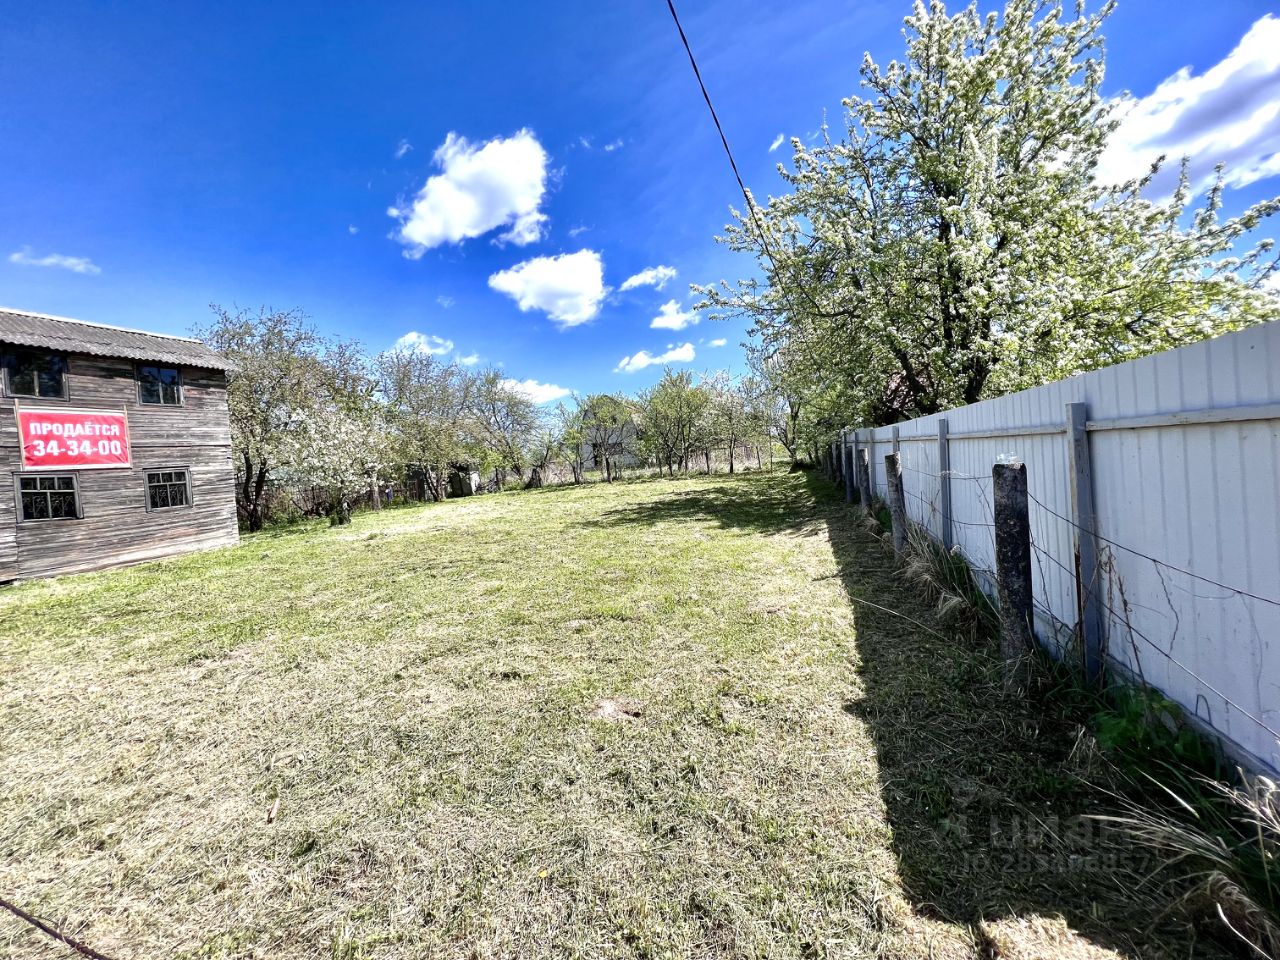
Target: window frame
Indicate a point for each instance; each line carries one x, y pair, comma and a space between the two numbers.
12, 348
19, 476
146, 488
137, 382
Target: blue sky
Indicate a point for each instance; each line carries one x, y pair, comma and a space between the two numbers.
157, 157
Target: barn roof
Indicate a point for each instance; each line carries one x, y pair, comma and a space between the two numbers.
26, 329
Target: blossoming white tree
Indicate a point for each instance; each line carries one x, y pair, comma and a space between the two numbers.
955, 244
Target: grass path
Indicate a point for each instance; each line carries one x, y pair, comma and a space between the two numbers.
385, 741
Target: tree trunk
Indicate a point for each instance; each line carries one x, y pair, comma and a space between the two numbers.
707, 456
535, 479
255, 507
731, 458
375, 495
246, 486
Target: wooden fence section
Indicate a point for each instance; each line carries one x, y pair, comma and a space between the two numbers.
1154, 494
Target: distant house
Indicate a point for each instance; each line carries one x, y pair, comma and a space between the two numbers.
117, 444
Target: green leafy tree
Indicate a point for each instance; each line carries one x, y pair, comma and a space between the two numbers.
734, 416
608, 430
504, 422
569, 428
428, 406
675, 419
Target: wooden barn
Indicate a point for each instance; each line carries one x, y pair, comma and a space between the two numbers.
117, 446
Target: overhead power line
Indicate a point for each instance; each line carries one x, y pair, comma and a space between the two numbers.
775, 276
724, 141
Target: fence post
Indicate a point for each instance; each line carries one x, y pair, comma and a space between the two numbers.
897, 502
871, 460
846, 454
944, 482
1088, 601
1013, 565
864, 480
896, 442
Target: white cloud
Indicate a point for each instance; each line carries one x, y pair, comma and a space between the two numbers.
403, 147
613, 145
717, 342
638, 361
584, 142
445, 301
352, 229
1229, 114
480, 188
649, 277
574, 231
568, 287
777, 142
537, 392
24, 258
470, 360
671, 317
423, 343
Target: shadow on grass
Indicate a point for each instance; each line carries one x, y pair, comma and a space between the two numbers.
743, 501
983, 791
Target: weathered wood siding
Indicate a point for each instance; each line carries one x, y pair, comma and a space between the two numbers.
116, 527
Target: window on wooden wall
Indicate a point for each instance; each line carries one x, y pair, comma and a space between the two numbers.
49, 497
160, 386
34, 373
168, 488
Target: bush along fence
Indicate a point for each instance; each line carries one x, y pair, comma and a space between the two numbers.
1140, 506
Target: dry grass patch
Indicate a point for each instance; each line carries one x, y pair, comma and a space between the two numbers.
383, 741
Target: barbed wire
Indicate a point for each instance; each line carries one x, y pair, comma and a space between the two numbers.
949, 475
1090, 591
935, 509
1155, 560
1131, 550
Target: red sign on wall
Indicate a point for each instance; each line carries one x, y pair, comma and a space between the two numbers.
76, 439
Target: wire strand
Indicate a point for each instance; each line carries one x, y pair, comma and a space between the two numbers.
746, 194
1161, 651
83, 949
724, 140
1157, 562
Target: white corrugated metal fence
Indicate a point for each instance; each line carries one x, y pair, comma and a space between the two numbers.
1185, 460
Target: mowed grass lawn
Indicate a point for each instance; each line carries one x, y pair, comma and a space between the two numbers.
639, 720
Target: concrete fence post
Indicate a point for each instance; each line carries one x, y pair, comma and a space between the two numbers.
897, 501
1013, 566
846, 451
944, 482
897, 443
1088, 577
864, 479
855, 457
871, 460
